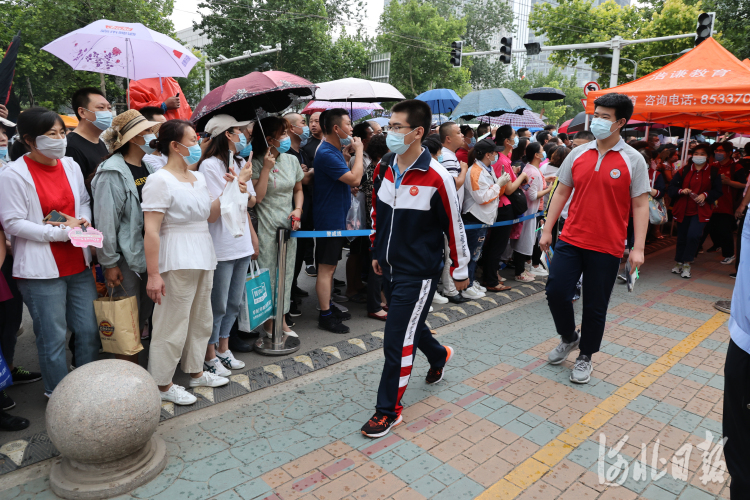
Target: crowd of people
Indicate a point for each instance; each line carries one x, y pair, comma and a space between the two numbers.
152, 184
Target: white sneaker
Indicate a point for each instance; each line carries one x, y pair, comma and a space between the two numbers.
727, 260
525, 277
439, 299
685, 271
178, 395
431, 309
477, 286
290, 333
208, 379
229, 361
472, 293
677, 269
216, 367
538, 271
343, 309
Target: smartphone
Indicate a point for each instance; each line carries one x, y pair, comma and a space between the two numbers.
54, 216
178, 94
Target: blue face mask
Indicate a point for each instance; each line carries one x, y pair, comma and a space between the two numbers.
304, 136
103, 119
554, 133
440, 158
601, 128
720, 156
544, 155
194, 156
145, 147
3, 152
284, 145
246, 152
395, 142
472, 142
515, 142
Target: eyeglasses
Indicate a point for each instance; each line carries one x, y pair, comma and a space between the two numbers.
399, 128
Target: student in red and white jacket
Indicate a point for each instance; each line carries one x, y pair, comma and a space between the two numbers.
414, 205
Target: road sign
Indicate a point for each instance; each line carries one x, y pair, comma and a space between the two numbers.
584, 101
590, 87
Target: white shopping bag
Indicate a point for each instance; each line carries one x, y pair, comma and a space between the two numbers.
234, 208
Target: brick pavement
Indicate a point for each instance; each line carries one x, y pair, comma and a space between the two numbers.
503, 423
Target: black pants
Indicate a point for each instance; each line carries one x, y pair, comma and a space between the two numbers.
495, 243
740, 227
688, 238
721, 227
11, 313
599, 275
374, 286
519, 262
735, 419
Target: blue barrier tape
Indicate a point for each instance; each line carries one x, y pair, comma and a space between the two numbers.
368, 232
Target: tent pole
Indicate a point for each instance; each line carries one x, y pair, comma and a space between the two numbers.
683, 158
648, 129
586, 123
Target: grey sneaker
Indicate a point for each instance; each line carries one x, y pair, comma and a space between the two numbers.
560, 353
581, 373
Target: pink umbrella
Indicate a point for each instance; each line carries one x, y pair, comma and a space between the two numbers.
273, 91
357, 110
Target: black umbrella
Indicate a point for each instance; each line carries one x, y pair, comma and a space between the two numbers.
579, 122
544, 94
8, 69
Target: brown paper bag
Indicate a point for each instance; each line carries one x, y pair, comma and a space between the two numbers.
117, 319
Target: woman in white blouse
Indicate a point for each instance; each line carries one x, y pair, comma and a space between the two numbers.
180, 260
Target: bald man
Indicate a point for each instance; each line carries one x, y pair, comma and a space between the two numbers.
376, 129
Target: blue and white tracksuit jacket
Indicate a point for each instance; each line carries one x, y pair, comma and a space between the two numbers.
410, 215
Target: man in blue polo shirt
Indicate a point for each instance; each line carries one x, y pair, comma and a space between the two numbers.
331, 200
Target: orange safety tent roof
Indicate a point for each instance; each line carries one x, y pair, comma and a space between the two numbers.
69, 121
707, 88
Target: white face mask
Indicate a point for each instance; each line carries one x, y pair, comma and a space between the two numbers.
51, 148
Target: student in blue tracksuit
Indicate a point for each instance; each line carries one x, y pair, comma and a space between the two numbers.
414, 205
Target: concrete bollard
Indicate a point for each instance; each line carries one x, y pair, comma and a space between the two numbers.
102, 418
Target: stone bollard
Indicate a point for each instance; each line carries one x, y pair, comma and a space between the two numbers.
102, 418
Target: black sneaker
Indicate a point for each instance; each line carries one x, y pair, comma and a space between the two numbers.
458, 298
22, 376
380, 425
713, 249
435, 375
6, 403
340, 315
294, 310
338, 283
289, 321
12, 424
311, 271
733, 276
332, 324
298, 292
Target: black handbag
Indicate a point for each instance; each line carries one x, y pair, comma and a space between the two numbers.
518, 202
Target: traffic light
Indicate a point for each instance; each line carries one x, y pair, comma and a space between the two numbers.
506, 47
456, 48
533, 48
705, 27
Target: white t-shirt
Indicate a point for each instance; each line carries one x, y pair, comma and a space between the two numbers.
226, 246
156, 161
451, 164
185, 242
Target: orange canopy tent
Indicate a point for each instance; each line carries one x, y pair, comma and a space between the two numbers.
707, 88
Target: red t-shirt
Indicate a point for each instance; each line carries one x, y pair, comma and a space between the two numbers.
462, 154
54, 193
725, 204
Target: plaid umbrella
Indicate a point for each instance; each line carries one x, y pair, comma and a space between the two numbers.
357, 110
528, 119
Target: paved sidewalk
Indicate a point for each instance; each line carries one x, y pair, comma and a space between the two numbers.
502, 424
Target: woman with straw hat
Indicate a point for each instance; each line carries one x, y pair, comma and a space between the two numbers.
117, 186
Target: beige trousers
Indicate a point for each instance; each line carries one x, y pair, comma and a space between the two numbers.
182, 324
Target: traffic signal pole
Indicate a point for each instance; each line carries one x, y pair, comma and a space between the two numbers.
616, 44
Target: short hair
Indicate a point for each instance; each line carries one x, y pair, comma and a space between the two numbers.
562, 136
727, 146
549, 148
329, 118
432, 144
482, 129
585, 135
543, 136
466, 129
360, 130
704, 146
36, 121
550, 127
444, 130
377, 147
80, 98
621, 103
418, 113
171, 130
521, 131
150, 111
558, 156
502, 133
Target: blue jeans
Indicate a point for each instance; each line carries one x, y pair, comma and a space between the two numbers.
229, 283
56, 305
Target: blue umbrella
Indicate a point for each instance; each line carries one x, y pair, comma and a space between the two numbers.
490, 102
440, 100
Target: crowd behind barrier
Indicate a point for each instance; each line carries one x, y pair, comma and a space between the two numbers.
183, 214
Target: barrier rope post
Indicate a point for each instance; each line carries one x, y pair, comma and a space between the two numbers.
279, 344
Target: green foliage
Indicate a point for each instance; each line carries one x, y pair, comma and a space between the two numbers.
733, 21
41, 21
303, 27
418, 38
194, 85
553, 111
578, 21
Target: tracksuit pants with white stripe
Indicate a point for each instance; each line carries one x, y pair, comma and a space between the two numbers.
408, 304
